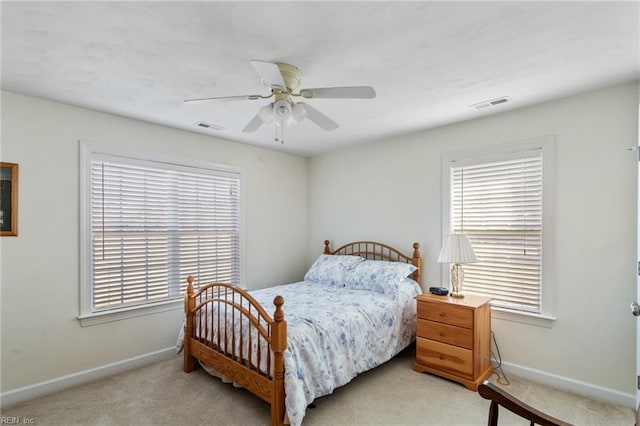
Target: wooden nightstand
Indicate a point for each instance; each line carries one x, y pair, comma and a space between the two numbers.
454, 338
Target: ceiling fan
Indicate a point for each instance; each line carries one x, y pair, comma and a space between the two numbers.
283, 80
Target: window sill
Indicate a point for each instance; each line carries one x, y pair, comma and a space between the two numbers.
129, 312
522, 317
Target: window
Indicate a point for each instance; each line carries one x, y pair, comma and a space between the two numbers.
148, 223
501, 198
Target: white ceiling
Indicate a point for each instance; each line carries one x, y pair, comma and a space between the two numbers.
428, 61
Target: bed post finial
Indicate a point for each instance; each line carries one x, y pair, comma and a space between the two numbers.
417, 262
327, 249
189, 284
279, 313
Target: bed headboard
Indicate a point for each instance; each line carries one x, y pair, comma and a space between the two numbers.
377, 251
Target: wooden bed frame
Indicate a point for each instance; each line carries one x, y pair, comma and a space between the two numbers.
270, 332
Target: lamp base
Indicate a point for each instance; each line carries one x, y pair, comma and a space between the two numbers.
457, 276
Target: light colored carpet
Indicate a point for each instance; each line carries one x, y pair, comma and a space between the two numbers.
392, 394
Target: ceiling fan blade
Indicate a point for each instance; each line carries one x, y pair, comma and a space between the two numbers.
253, 125
270, 74
354, 92
224, 98
320, 119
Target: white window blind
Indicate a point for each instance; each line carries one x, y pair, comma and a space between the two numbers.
153, 224
503, 219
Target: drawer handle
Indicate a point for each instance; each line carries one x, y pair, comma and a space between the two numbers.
441, 334
442, 314
441, 356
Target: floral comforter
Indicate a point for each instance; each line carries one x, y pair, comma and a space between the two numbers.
335, 333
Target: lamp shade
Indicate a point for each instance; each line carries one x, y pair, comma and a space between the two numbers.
457, 249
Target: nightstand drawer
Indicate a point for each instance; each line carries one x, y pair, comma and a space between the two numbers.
444, 357
445, 313
445, 333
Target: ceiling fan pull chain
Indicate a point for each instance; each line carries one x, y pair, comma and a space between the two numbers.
282, 132
281, 127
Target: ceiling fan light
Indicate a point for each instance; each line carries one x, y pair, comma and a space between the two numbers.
286, 122
298, 112
281, 109
266, 113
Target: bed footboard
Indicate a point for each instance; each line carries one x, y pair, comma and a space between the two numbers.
229, 330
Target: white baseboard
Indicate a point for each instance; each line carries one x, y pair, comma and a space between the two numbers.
66, 382
570, 385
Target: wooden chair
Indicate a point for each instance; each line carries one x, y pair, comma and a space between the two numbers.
488, 390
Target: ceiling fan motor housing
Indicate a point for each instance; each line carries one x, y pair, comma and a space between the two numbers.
291, 75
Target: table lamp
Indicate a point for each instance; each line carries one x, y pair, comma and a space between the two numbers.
457, 250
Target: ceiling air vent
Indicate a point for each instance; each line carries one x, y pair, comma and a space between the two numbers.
209, 126
492, 102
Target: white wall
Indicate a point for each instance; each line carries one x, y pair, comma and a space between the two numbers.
41, 337
390, 191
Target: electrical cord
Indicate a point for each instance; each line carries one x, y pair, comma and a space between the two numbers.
497, 369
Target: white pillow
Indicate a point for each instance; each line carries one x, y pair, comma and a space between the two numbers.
379, 275
332, 269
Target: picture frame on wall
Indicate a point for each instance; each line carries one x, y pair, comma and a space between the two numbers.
8, 199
